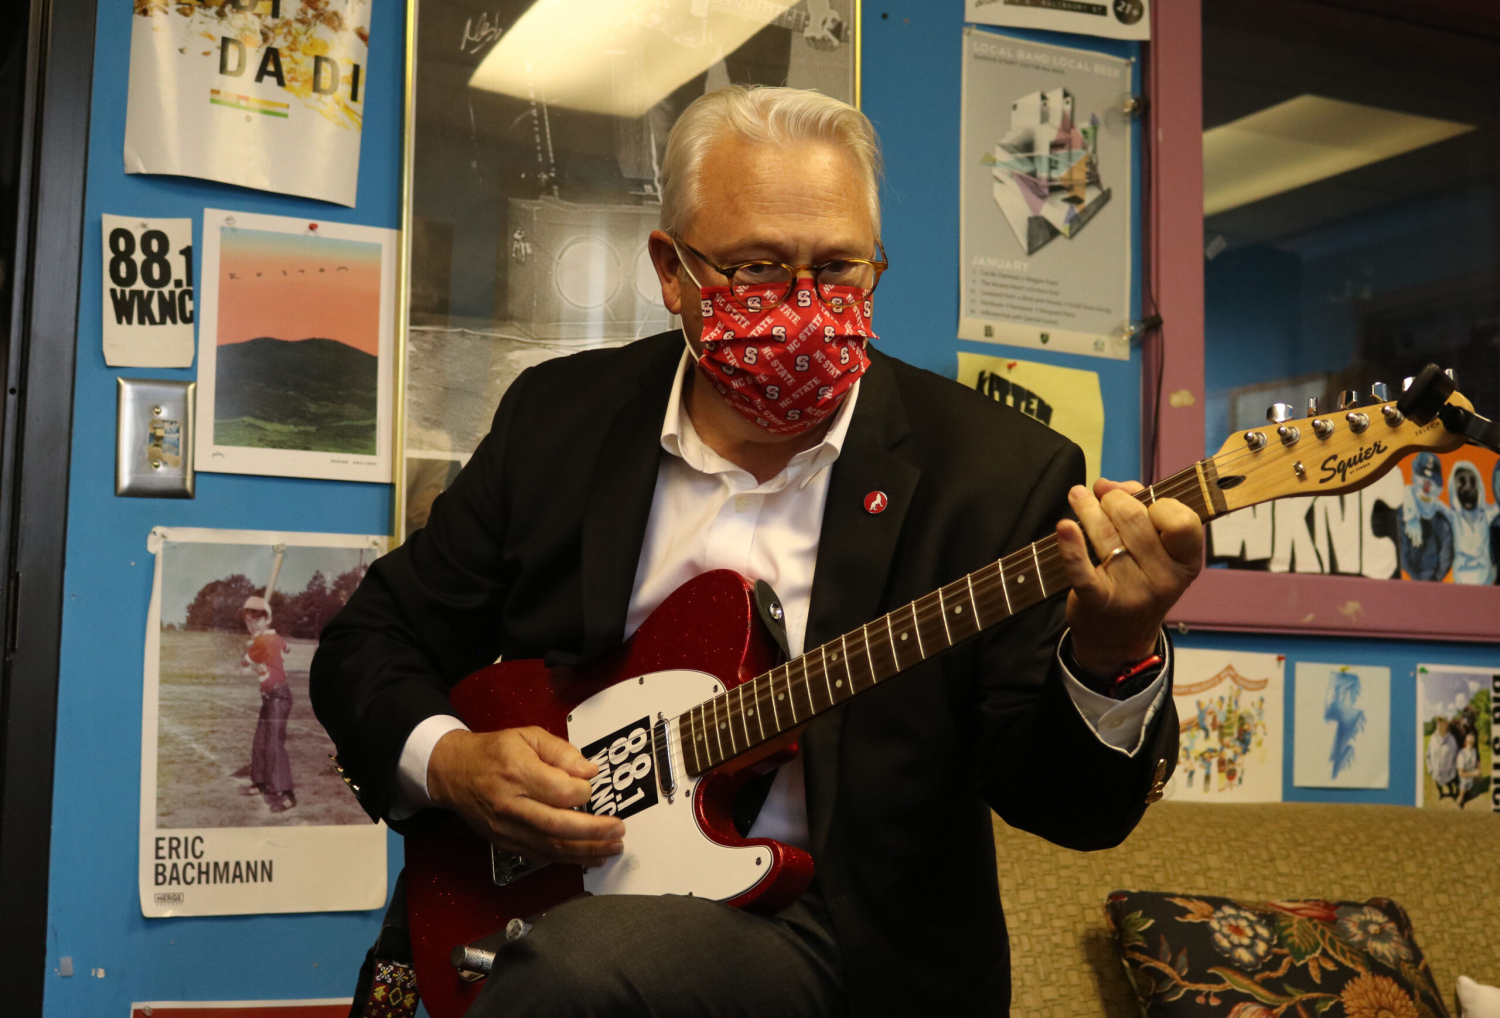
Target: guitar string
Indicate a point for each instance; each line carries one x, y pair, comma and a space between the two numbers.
763, 694
1044, 554
1047, 552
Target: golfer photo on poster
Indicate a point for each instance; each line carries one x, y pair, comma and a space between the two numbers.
242, 809
296, 332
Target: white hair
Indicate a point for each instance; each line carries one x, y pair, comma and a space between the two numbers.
760, 115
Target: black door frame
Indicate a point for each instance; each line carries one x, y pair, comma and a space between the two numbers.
34, 462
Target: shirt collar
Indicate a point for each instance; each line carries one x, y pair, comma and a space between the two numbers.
680, 438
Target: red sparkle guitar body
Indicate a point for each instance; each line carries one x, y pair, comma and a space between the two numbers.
705, 637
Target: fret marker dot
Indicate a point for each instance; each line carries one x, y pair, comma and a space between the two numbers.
781, 696
903, 636
835, 656
959, 610
839, 683
723, 724
1020, 579
751, 712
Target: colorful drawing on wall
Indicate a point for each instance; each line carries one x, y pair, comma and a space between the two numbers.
294, 347
147, 293
1045, 192
241, 808
269, 97
1455, 748
1343, 726
1436, 518
1065, 399
1229, 709
326, 1007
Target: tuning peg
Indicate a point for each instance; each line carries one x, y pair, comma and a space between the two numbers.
1450, 374
1381, 392
1406, 382
1276, 413
1312, 406
1348, 398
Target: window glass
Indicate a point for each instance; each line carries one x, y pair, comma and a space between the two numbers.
1350, 176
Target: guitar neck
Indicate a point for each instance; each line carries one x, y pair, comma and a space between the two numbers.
774, 703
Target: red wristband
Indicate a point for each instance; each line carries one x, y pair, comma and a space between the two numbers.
1119, 680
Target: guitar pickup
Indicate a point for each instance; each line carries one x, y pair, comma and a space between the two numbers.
507, 867
661, 750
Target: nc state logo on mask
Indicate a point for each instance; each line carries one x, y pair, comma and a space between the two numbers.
752, 354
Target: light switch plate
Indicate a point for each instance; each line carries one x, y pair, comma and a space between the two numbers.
154, 438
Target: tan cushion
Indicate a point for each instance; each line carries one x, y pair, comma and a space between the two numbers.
1438, 864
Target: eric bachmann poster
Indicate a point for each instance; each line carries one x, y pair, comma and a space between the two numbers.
242, 810
267, 94
1045, 197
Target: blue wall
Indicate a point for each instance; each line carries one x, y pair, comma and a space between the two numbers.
94, 911
911, 90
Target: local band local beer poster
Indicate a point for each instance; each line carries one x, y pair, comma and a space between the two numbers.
1456, 745
1229, 710
241, 808
267, 94
295, 339
1045, 192
148, 292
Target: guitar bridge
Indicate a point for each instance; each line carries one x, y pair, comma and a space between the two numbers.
507, 867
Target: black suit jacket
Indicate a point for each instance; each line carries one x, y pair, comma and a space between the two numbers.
533, 551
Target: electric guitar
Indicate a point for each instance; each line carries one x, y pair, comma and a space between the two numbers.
698, 701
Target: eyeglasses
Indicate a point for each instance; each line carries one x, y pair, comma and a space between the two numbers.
760, 285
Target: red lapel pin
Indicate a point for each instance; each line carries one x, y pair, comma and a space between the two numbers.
875, 502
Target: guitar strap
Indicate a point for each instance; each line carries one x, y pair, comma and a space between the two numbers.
387, 986
751, 798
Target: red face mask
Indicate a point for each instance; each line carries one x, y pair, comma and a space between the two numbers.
788, 368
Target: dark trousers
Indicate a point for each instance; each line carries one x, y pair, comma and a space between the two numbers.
270, 767
668, 957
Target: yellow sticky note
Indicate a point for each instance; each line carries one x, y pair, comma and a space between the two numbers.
1065, 399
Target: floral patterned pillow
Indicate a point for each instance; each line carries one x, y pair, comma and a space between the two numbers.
1197, 957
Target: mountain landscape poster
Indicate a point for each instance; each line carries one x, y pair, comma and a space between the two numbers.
295, 347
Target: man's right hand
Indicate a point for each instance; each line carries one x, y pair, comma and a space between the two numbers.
517, 787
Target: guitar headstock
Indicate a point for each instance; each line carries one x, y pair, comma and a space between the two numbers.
1323, 453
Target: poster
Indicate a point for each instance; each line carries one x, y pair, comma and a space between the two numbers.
327, 1007
295, 339
147, 292
1112, 19
1229, 708
1045, 197
241, 808
1343, 726
265, 95
1436, 517
1065, 399
1456, 752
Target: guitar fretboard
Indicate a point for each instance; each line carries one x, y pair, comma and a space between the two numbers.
790, 695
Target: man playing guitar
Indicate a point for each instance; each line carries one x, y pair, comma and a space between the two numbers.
851, 483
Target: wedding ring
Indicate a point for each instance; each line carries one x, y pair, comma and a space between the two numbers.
1121, 550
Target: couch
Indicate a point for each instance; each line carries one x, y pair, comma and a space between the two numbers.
1441, 865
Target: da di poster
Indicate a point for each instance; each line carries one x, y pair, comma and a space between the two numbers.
241, 808
1456, 745
265, 95
1112, 19
295, 338
1229, 709
1065, 399
1045, 197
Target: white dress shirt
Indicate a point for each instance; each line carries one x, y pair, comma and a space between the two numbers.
707, 513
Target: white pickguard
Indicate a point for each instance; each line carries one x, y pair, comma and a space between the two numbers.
665, 852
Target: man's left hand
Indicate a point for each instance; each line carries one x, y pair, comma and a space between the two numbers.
1116, 608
